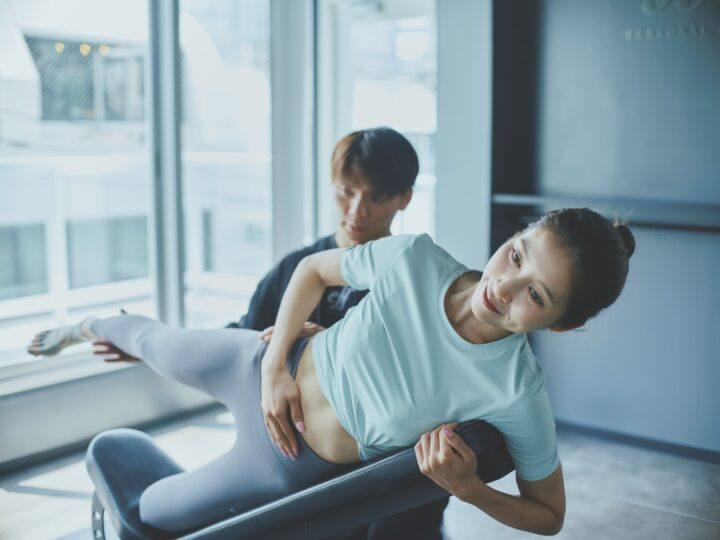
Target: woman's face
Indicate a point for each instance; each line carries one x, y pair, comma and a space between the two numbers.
363, 213
526, 284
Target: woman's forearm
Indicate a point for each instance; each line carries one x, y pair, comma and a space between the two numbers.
512, 510
301, 296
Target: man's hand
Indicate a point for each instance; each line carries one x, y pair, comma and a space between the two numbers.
309, 329
110, 353
445, 458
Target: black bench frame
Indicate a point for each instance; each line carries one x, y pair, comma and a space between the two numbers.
122, 463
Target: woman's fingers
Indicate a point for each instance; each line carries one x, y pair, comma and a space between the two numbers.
296, 414
419, 455
288, 435
278, 436
454, 441
434, 445
285, 442
422, 449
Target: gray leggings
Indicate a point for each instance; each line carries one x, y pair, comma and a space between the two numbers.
225, 364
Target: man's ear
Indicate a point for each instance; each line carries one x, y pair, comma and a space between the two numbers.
406, 198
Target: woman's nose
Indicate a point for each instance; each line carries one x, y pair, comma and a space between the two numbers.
503, 291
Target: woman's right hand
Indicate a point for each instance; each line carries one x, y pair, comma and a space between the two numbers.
278, 394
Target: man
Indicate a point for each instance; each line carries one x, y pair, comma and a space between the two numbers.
373, 173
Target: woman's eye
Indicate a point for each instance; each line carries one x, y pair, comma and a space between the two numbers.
515, 257
536, 297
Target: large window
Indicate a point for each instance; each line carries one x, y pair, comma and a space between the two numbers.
75, 181
89, 80
225, 155
381, 57
24, 270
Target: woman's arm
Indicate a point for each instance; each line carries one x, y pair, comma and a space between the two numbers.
450, 463
539, 509
312, 275
278, 389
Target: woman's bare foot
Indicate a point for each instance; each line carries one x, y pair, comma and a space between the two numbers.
51, 342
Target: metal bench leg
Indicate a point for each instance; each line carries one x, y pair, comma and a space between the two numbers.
98, 513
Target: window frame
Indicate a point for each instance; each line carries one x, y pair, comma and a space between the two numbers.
39, 387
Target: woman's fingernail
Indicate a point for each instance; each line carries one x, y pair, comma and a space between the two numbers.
300, 425
447, 432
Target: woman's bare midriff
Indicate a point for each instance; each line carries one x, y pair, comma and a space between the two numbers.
323, 432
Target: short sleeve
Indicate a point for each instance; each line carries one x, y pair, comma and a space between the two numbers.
362, 264
528, 427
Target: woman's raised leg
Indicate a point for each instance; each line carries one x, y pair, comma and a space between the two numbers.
207, 360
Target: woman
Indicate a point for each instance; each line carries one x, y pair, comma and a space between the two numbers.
432, 344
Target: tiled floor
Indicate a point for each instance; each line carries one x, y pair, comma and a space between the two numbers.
614, 491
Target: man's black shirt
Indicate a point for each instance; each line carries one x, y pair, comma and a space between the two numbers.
421, 523
265, 301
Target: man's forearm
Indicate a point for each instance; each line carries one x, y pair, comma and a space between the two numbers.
512, 510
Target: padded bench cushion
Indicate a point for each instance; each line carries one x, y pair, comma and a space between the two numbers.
371, 491
121, 464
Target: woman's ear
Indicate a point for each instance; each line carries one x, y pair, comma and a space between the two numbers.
557, 328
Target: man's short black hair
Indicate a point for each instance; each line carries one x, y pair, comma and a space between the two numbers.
381, 156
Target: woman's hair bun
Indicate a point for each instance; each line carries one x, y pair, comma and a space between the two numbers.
627, 237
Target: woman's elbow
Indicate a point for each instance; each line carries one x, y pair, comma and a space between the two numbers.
557, 525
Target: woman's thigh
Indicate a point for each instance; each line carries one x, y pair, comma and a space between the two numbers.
213, 361
243, 478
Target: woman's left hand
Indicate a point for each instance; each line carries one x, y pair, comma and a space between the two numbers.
445, 458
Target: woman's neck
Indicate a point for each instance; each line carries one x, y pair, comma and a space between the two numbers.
458, 302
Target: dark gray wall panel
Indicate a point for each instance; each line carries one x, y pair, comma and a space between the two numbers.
629, 98
650, 365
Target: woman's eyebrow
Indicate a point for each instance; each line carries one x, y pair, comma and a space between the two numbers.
546, 290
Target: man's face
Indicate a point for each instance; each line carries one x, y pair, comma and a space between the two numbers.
364, 213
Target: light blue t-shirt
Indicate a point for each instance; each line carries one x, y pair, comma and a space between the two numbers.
394, 367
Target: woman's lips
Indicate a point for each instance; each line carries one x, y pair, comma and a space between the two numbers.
488, 303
